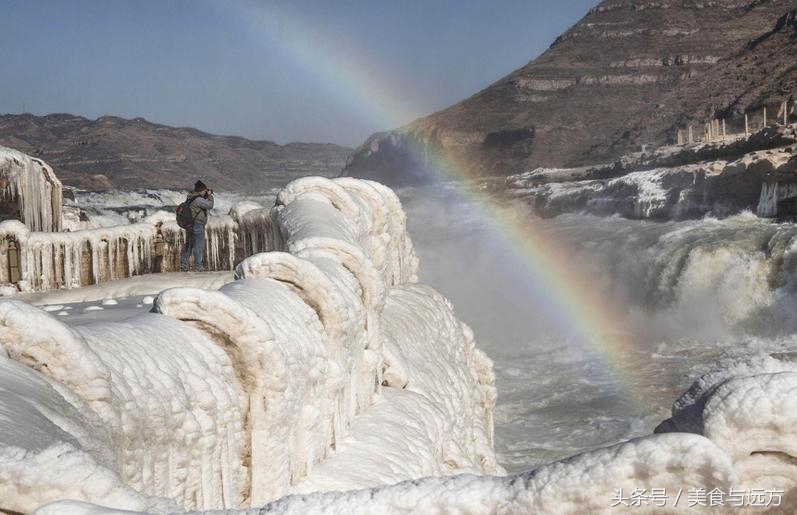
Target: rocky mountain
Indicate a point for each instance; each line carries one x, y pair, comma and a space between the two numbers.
630, 72
112, 152
761, 74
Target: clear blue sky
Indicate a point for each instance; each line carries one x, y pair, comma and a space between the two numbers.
283, 71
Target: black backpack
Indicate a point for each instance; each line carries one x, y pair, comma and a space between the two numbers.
185, 218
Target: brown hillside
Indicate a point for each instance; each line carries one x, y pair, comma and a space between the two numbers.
580, 100
761, 74
112, 152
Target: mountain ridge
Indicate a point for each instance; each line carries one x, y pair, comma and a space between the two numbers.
114, 152
573, 104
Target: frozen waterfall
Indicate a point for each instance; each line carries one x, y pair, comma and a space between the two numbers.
31, 186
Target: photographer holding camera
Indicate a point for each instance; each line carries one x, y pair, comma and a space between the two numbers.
197, 203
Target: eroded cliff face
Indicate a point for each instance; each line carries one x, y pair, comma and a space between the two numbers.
603, 86
760, 74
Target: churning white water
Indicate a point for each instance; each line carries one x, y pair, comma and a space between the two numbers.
690, 293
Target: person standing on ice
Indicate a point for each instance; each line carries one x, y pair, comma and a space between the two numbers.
192, 215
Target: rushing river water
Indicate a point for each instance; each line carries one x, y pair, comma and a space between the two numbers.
690, 294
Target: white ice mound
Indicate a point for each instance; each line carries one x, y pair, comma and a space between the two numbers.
582, 484
749, 409
435, 348
436, 421
52, 446
287, 380
284, 380
164, 391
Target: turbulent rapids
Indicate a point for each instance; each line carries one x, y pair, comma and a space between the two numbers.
690, 295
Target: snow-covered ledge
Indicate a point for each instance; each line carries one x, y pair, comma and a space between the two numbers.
324, 366
733, 430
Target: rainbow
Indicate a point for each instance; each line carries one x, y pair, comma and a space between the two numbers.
569, 296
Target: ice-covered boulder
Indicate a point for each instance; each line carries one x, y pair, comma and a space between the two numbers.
749, 409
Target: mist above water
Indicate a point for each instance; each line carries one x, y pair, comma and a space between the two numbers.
689, 294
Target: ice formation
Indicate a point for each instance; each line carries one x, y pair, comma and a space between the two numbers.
749, 409
234, 397
744, 411
163, 391
52, 260
773, 193
325, 379
31, 185
583, 484
71, 259
254, 230
52, 445
425, 423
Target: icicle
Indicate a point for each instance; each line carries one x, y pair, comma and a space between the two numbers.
231, 246
46, 257
77, 253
